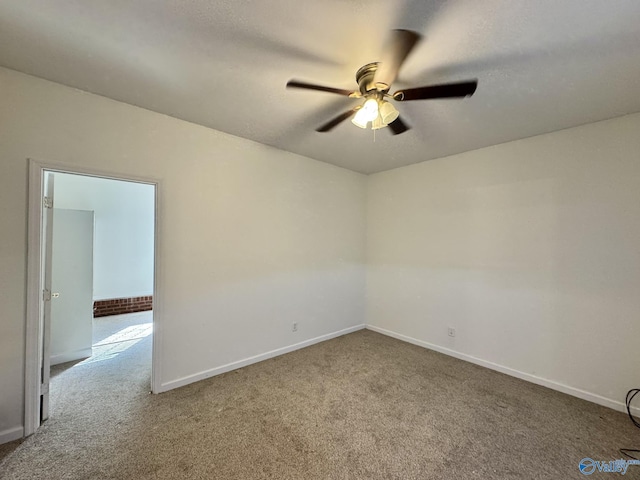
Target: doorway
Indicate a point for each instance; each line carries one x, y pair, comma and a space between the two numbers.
111, 286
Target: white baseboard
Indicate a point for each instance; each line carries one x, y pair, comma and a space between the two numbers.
180, 382
11, 434
591, 397
71, 356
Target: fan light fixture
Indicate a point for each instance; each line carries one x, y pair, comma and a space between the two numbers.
379, 112
374, 82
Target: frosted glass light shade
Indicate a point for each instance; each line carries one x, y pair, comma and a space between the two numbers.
360, 119
368, 113
377, 123
370, 110
388, 112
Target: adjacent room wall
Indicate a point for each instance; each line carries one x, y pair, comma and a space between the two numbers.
251, 238
123, 246
529, 249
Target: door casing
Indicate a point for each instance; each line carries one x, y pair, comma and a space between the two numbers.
35, 287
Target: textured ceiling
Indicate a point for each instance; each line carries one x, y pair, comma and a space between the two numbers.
542, 65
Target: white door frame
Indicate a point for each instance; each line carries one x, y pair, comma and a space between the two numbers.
34, 330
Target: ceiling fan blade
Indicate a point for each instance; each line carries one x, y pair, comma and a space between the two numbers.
396, 52
398, 126
321, 88
447, 90
339, 119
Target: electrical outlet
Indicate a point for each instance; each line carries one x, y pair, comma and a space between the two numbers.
294, 327
451, 331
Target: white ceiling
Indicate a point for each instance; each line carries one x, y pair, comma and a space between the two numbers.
542, 65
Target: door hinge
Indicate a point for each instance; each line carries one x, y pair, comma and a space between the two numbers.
46, 295
44, 389
48, 202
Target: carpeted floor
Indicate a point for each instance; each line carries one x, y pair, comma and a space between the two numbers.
362, 406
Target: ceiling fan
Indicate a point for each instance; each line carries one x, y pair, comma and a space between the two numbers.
374, 81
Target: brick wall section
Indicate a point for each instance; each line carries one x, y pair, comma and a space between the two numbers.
118, 306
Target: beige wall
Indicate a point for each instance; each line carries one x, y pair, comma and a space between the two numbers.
529, 249
251, 238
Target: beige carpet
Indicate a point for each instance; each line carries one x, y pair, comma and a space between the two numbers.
363, 406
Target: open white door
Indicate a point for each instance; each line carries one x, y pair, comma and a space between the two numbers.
47, 229
72, 285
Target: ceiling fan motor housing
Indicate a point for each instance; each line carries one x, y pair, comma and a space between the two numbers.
364, 77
